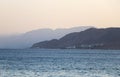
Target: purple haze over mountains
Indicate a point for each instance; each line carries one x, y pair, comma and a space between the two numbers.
26, 40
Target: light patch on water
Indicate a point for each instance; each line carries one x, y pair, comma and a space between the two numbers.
62, 73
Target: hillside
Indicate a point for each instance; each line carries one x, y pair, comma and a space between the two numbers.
92, 38
25, 40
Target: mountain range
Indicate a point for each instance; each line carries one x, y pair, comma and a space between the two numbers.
26, 40
93, 38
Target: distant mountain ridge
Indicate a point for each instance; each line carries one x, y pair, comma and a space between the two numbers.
27, 39
92, 38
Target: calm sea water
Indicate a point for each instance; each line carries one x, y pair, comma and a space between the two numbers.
59, 63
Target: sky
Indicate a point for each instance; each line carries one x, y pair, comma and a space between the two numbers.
19, 16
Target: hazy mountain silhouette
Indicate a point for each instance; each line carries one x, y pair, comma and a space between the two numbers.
93, 38
26, 40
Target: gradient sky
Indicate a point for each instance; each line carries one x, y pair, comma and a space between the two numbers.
17, 16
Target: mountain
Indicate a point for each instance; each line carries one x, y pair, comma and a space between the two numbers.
92, 38
26, 40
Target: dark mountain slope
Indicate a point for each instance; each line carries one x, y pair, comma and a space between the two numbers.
25, 40
108, 38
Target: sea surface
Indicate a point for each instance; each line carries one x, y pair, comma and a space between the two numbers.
59, 63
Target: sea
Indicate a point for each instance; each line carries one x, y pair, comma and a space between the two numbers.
59, 63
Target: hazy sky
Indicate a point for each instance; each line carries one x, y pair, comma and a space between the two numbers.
18, 16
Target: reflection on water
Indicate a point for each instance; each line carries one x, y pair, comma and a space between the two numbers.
59, 63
